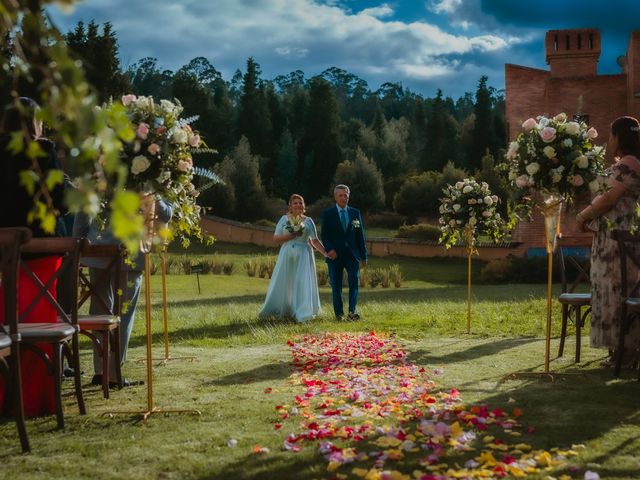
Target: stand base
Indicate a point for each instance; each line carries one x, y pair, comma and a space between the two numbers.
165, 360
147, 413
543, 376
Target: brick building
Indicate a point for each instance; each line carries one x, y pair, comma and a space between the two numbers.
571, 85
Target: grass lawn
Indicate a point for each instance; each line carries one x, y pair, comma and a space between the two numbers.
239, 356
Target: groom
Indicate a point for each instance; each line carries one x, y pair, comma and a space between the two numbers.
343, 238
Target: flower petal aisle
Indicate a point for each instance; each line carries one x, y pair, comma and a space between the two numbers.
375, 415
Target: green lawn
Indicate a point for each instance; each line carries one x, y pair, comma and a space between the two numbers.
239, 356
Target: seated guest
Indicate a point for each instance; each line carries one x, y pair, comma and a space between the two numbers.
616, 206
130, 282
38, 385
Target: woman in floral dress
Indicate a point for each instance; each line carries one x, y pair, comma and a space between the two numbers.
614, 209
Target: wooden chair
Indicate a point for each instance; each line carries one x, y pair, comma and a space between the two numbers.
11, 240
629, 249
103, 329
63, 334
575, 306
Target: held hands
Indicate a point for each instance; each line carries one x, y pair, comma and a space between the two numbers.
332, 255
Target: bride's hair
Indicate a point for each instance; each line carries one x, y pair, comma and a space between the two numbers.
627, 129
293, 197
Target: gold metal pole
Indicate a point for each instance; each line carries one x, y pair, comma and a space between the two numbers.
547, 352
469, 250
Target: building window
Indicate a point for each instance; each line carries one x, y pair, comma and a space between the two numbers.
555, 42
579, 41
591, 41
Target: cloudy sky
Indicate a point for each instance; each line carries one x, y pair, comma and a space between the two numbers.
423, 44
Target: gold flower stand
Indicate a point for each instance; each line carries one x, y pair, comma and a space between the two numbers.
469, 245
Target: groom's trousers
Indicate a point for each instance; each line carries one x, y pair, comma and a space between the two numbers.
344, 261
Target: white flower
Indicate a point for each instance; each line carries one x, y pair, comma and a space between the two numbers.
139, 164
561, 117
556, 176
549, 151
592, 133
127, 99
532, 168
572, 128
473, 221
512, 175
356, 223
467, 189
178, 135
488, 200
581, 161
143, 103
494, 198
513, 150
529, 124
567, 142
542, 122
472, 201
456, 207
485, 187
486, 213
459, 185
594, 186
589, 475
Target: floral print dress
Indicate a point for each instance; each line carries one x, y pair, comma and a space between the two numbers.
605, 265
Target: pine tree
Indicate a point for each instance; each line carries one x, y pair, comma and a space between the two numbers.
441, 137
321, 138
286, 167
483, 137
254, 121
364, 180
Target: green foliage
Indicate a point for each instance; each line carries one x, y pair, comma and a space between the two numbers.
420, 231
364, 180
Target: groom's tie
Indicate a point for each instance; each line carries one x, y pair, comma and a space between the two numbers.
343, 219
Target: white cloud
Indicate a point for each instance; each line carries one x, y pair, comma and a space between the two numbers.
283, 35
444, 6
378, 12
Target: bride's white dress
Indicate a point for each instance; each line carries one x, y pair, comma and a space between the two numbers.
293, 289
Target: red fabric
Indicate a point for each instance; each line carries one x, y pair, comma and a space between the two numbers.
37, 384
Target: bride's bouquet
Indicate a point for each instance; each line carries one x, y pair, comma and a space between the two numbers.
467, 209
295, 224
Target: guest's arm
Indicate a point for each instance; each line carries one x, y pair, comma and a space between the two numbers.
602, 203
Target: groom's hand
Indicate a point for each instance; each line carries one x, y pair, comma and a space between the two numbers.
332, 255
363, 263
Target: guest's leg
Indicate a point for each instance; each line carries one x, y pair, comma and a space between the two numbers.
335, 277
353, 272
132, 281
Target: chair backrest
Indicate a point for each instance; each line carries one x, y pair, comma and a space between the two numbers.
11, 239
113, 255
629, 250
68, 249
574, 267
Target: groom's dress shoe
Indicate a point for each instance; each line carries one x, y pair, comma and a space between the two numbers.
339, 318
353, 316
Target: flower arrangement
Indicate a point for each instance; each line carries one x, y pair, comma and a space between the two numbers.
555, 156
355, 223
467, 209
159, 159
295, 224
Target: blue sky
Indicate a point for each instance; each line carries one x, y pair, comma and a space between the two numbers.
423, 44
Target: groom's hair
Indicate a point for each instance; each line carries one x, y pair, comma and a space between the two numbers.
341, 187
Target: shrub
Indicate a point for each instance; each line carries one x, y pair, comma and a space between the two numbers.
227, 267
523, 270
395, 275
315, 211
421, 231
386, 220
266, 267
322, 272
251, 266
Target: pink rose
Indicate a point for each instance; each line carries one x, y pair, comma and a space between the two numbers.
142, 131
161, 129
577, 180
183, 166
522, 181
194, 140
548, 134
128, 99
529, 124
153, 149
592, 133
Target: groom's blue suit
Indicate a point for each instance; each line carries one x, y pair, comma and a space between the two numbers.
350, 247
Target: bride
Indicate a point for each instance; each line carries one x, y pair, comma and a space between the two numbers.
293, 290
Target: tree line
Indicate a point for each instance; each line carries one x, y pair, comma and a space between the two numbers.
395, 148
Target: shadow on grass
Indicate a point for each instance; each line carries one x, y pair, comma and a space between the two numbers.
268, 467
273, 371
422, 356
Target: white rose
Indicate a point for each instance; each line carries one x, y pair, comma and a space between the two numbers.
467, 189
494, 198
471, 201
486, 213
488, 200
567, 142
581, 161
543, 122
513, 150
139, 164
592, 133
561, 117
572, 128
549, 151
143, 103
456, 207
512, 175
178, 135
532, 168
594, 186
556, 176
459, 185
473, 221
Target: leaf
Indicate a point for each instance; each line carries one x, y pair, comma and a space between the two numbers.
34, 150
28, 180
54, 177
